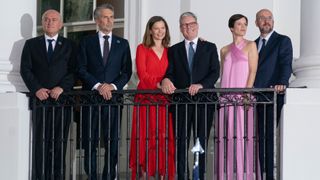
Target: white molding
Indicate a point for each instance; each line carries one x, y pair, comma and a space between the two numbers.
14, 135
10, 78
300, 128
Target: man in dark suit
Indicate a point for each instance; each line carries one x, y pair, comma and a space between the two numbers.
104, 66
47, 68
193, 65
274, 70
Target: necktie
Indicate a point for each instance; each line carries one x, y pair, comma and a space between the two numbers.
50, 48
263, 45
190, 55
105, 49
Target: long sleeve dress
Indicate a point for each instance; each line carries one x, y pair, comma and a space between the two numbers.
146, 127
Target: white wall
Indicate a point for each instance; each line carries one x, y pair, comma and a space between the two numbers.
168, 9
17, 24
14, 136
300, 132
213, 16
287, 21
13, 19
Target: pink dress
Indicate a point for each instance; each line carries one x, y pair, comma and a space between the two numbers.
232, 120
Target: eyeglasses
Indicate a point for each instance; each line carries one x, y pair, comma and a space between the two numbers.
190, 25
263, 18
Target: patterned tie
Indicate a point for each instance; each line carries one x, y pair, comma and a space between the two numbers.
190, 55
263, 46
105, 49
50, 49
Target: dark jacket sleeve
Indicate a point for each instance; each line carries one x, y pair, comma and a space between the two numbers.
214, 69
68, 81
170, 69
126, 67
27, 75
285, 60
82, 60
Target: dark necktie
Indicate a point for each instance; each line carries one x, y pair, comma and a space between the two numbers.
190, 55
105, 49
50, 49
263, 46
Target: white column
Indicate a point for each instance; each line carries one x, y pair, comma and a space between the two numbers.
307, 67
14, 136
299, 135
18, 22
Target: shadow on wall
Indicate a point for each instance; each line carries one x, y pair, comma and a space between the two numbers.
26, 29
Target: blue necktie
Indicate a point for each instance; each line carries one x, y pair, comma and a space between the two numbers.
105, 49
190, 55
50, 49
263, 46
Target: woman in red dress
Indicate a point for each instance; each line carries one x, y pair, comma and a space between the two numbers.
152, 62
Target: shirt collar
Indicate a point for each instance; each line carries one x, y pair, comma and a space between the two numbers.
101, 34
267, 37
195, 41
48, 37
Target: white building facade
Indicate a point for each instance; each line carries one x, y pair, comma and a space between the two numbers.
295, 18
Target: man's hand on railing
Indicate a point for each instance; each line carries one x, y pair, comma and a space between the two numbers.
194, 89
167, 86
279, 88
55, 92
105, 90
43, 94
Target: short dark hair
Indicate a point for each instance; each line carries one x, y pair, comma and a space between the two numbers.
96, 13
235, 18
148, 40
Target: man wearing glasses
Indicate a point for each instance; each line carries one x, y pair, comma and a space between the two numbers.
193, 65
274, 71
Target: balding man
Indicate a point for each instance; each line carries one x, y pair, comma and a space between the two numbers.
47, 68
274, 71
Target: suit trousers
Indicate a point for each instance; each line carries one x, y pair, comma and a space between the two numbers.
100, 121
50, 130
266, 134
199, 118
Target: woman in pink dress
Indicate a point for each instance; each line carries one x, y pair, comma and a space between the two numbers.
238, 64
150, 138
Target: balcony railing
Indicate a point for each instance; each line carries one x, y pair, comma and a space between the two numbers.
82, 136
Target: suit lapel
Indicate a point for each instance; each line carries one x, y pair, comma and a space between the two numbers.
57, 48
96, 48
270, 44
43, 48
197, 53
114, 43
184, 57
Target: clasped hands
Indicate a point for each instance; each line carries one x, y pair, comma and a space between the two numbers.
105, 90
44, 93
167, 87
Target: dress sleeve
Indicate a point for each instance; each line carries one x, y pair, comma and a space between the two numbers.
149, 80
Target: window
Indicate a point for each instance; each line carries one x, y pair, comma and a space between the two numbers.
78, 16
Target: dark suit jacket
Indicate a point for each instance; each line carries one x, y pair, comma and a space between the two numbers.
118, 69
275, 63
37, 72
206, 68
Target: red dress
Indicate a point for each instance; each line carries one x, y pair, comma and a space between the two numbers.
151, 70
